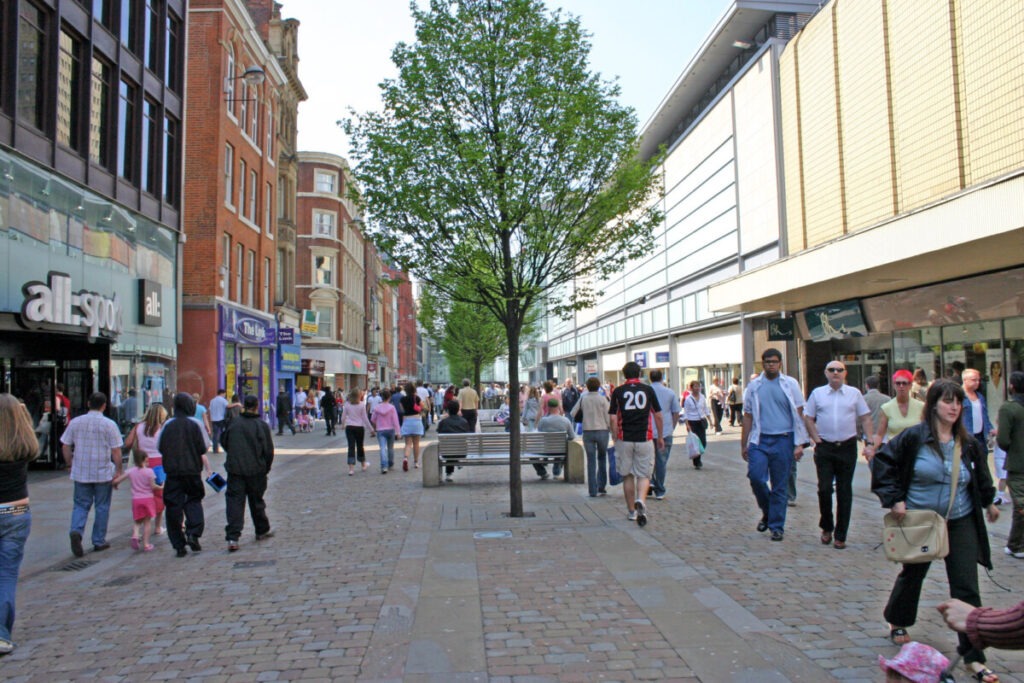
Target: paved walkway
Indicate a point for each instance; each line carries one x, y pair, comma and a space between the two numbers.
373, 578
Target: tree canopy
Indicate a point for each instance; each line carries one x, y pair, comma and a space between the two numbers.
500, 168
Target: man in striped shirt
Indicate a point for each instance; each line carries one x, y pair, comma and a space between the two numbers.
92, 450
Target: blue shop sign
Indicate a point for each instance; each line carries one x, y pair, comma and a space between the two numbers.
244, 328
289, 358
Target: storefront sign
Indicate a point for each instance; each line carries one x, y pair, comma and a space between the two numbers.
590, 368
245, 328
781, 329
570, 363
310, 322
53, 302
151, 302
285, 335
313, 367
254, 331
640, 358
290, 359
371, 366
661, 357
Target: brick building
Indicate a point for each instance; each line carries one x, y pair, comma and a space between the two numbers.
233, 96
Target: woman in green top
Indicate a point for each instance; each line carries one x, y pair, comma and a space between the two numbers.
900, 412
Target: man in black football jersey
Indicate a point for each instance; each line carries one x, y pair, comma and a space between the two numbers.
634, 408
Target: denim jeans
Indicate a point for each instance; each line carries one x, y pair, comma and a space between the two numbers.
386, 439
791, 484
660, 465
87, 495
595, 443
771, 460
14, 531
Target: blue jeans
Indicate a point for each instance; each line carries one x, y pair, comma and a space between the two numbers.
771, 460
14, 531
791, 484
595, 443
386, 439
660, 465
87, 495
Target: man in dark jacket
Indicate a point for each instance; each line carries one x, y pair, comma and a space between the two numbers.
327, 407
284, 410
184, 458
453, 424
250, 453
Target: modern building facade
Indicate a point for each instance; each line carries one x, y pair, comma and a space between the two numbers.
904, 173
234, 89
91, 126
722, 181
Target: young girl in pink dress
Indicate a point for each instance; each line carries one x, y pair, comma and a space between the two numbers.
144, 486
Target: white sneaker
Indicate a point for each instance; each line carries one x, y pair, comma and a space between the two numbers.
632, 518
1018, 555
641, 512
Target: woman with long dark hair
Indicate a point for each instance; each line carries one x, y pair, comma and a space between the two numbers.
914, 471
412, 425
18, 447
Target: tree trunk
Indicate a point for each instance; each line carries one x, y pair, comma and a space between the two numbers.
515, 472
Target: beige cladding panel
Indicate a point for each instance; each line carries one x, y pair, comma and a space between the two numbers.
820, 134
864, 111
992, 73
791, 149
756, 172
924, 106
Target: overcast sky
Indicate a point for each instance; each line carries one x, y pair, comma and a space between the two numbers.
345, 51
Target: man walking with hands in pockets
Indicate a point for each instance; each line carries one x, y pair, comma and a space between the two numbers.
634, 409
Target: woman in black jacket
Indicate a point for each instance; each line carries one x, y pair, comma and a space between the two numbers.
914, 471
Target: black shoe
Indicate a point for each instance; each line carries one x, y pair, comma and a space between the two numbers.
263, 537
76, 544
776, 535
193, 542
101, 547
762, 526
279, 434
180, 552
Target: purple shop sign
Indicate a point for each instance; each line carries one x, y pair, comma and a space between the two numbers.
286, 335
239, 326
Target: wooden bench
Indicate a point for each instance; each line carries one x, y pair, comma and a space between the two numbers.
471, 450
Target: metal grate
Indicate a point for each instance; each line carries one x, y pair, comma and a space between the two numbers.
253, 564
74, 566
121, 580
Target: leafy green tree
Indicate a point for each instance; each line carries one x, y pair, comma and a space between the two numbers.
470, 336
501, 168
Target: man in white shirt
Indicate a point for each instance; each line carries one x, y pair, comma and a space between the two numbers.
300, 400
831, 415
218, 414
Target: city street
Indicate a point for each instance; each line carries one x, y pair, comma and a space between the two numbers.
374, 578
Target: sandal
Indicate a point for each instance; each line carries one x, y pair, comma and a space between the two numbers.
984, 674
899, 636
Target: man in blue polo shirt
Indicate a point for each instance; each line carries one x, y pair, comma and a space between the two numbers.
773, 438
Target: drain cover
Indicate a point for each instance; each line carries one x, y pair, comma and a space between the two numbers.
121, 581
252, 564
492, 534
75, 566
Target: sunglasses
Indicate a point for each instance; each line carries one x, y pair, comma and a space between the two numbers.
836, 369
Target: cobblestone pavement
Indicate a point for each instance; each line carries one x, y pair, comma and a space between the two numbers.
373, 578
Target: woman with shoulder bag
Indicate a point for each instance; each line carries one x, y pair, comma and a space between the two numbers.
914, 471
143, 437
695, 412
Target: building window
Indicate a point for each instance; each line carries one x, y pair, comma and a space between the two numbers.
151, 35
149, 163
170, 167
323, 270
250, 278
326, 181
254, 119
69, 91
99, 113
130, 24
243, 103
225, 267
242, 179
268, 192
270, 131
280, 197
229, 82
324, 224
32, 63
253, 195
103, 12
126, 130
280, 286
229, 175
325, 328
239, 255
172, 53
266, 284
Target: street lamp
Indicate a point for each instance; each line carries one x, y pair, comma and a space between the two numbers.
253, 76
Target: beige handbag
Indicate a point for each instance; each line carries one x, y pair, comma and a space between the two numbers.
921, 535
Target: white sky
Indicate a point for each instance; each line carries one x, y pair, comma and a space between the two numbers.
345, 51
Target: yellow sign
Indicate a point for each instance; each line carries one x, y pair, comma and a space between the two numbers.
310, 322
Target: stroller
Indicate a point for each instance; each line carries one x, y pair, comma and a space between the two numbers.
304, 423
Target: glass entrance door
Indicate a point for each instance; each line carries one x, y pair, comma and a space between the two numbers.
35, 384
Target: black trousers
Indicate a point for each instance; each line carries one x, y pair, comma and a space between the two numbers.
355, 437
183, 499
735, 413
700, 428
239, 490
962, 573
835, 464
717, 410
470, 416
331, 420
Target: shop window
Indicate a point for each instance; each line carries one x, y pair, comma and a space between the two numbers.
151, 35
150, 158
172, 52
69, 90
126, 130
32, 64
